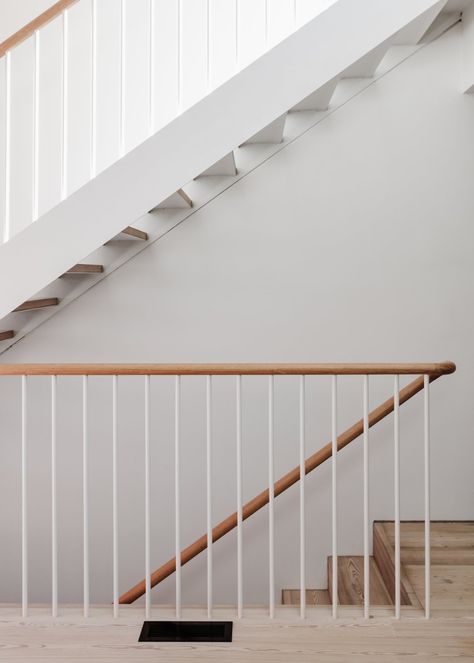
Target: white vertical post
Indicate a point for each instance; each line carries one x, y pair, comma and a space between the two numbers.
209, 492
237, 14
122, 80
302, 501
426, 392
177, 529
24, 497
93, 110
54, 510
366, 500
35, 197
271, 497
147, 500
115, 494
208, 46
151, 68
239, 496
64, 113
266, 23
8, 110
396, 483
178, 40
334, 584
85, 491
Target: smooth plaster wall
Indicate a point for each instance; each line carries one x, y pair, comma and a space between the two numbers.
354, 243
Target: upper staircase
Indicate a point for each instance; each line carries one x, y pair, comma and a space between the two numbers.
96, 228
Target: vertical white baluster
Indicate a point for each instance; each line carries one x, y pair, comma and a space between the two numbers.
151, 68
93, 110
147, 500
8, 109
334, 587
271, 497
366, 500
178, 39
85, 491
208, 46
64, 112
24, 497
237, 14
35, 197
266, 24
209, 492
239, 496
54, 509
122, 79
396, 483
177, 417
426, 393
115, 494
302, 501
295, 19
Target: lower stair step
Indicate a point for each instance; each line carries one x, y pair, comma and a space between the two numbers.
32, 304
313, 597
4, 335
351, 581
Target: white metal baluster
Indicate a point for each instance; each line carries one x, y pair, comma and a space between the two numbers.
271, 497
209, 492
208, 46
115, 554
151, 68
122, 80
177, 417
64, 112
396, 482
426, 383
85, 491
35, 211
24, 497
8, 103
93, 110
334, 587
266, 23
178, 39
239, 497
54, 510
366, 500
294, 13
302, 501
147, 501
237, 35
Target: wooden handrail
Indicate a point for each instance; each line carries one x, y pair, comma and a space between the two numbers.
37, 23
280, 486
431, 369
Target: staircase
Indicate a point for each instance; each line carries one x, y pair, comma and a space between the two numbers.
183, 165
452, 573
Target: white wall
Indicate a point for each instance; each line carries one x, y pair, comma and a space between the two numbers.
354, 243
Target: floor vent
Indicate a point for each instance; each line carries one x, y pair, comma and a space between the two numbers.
186, 632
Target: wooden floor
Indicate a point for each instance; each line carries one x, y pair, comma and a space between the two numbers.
318, 639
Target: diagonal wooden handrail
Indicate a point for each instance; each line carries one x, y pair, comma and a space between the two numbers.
280, 486
30, 28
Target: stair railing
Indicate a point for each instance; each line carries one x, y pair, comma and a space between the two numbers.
426, 373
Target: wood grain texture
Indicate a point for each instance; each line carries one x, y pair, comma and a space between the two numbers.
40, 21
285, 639
433, 370
84, 268
32, 304
135, 232
4, 335
280, 486
313, 597
351, 581
384, 555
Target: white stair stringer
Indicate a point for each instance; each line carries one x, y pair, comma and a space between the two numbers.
272, 133
319, 99
255, 97
366, 66
225, 167
414, 31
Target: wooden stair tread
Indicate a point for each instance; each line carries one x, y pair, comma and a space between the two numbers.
384, 555
32, 304
4, 335
452, 585
84, 268
448, 538
351, 581
135, 232
313, 597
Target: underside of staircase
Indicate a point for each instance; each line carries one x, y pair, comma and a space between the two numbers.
452, 572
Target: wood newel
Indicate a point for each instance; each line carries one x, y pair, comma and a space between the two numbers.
280, 486
37, 23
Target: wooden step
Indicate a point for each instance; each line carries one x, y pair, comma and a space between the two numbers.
134, 232
84, 268
351, 581
384, 554
4, 335
313, 597
178, 200
32, 304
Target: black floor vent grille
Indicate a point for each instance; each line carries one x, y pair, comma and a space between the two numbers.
186, 632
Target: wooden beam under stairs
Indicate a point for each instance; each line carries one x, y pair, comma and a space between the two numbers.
135, 232
84, 268
33, 304
5, 335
